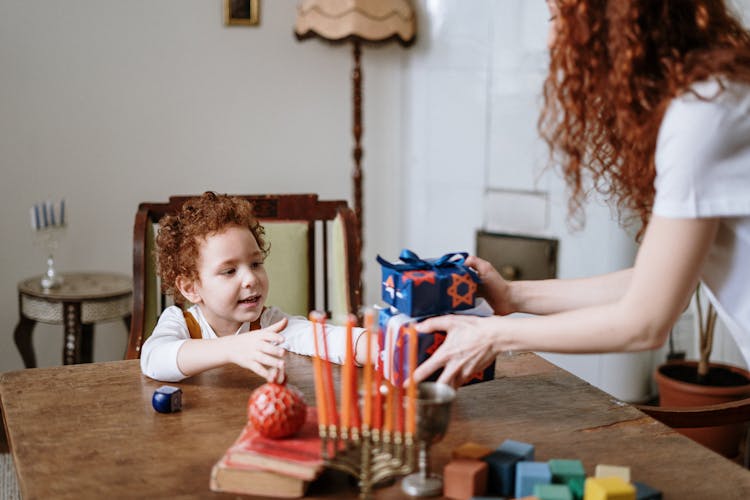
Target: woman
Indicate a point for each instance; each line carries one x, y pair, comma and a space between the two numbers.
647, 101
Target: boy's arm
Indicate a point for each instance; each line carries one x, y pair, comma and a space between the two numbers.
299, 339
159, 352
258, 351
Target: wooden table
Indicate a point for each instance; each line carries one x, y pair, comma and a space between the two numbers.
89, 431
82, 300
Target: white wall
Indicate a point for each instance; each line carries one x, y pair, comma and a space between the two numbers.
109, 103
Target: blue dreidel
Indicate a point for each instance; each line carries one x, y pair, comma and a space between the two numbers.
167, 399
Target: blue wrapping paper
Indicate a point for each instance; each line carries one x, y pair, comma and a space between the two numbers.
394, 338
424, 287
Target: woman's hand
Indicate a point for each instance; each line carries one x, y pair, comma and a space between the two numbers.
467, 349
261, 351
495, 289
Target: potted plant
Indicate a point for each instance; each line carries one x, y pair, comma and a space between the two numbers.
700, 383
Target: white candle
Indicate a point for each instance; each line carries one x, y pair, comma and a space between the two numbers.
51, 210
45, 220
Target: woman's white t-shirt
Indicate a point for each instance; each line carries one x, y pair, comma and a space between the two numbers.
159, 352
703, 170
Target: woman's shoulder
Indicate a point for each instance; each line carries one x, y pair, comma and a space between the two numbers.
714, 93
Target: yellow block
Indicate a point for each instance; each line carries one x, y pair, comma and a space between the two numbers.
608, 488
613, 471
471, 450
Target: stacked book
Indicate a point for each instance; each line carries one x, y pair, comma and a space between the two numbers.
281, 468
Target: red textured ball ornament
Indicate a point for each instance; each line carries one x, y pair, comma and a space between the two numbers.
276, 410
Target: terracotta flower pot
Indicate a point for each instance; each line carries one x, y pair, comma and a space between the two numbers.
677, 387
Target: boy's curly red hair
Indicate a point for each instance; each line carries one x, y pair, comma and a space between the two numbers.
179, 237
614, 68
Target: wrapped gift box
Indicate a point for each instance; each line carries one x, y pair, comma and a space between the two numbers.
394, 340
424, 287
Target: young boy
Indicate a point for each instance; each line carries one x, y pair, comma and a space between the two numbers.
211, 254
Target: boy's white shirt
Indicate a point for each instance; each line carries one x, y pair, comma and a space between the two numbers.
159, 352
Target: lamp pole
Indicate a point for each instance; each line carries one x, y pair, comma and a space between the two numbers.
357, 176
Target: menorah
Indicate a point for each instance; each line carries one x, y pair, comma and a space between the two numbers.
382, 439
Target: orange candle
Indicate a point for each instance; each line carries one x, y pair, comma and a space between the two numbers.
367, 406
411, 403
355, 417
333, 418
346, 378
388, 425
320, 397
377, 418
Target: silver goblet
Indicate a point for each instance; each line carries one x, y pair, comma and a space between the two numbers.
434, 403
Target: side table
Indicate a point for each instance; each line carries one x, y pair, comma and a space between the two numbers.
83, 299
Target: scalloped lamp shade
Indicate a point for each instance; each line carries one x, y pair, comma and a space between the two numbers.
371, 21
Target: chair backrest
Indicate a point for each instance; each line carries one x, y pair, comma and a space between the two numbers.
313, 262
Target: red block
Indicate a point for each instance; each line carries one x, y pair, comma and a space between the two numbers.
464, 478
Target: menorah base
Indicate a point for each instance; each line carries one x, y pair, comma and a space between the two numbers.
417, 485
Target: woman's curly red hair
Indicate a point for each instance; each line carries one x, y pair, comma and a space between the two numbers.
179, 237
614, 67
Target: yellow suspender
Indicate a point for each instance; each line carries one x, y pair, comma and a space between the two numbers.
193, 327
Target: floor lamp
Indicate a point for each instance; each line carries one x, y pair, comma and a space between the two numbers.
370, 22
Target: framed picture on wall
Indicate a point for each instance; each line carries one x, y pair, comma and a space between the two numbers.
241, 12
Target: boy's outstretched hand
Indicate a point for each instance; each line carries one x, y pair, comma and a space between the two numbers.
261, 351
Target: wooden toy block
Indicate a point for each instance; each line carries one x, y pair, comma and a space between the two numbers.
608, 488
620, 471
519, 448
552, 492
501, 473
564, 470
529, 474
576, 487
463, 478
471, 450
646, 492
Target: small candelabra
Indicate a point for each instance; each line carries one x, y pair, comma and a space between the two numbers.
383, 438
49, 224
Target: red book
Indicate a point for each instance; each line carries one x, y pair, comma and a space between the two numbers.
297, 456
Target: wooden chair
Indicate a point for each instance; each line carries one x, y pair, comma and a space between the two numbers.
682, 417
313, 262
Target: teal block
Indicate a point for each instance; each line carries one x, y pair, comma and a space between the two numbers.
518, 448
528, 475
552, 492
501, 473
576, 486
563, 470
646, 492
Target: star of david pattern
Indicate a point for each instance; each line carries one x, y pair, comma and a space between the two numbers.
419, 277
457, 297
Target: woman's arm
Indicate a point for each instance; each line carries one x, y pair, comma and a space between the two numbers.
665, 274
547, 296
